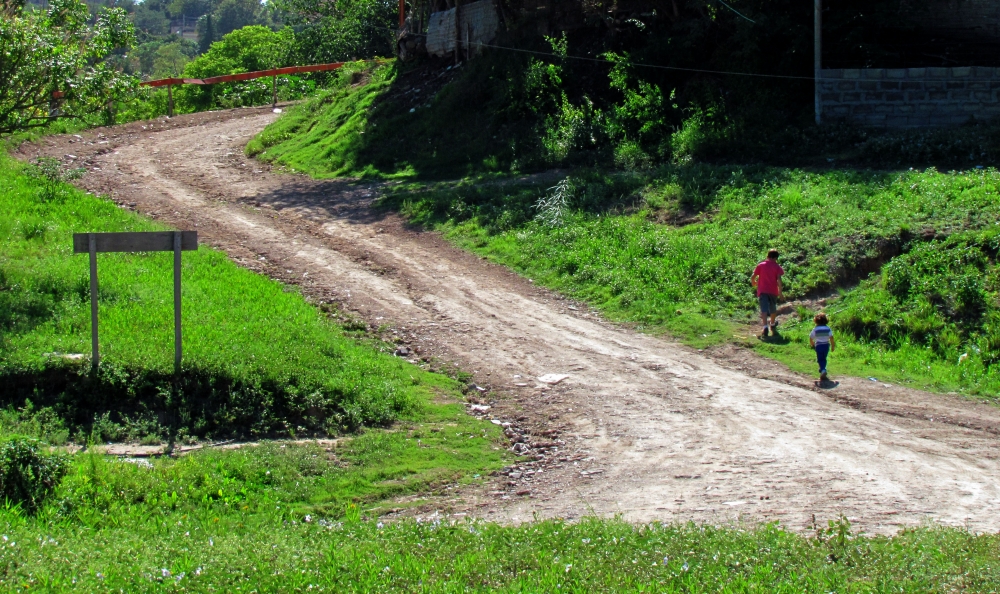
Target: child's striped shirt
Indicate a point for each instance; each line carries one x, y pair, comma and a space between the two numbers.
821, 334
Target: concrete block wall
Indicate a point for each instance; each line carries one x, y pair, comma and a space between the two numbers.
910, 97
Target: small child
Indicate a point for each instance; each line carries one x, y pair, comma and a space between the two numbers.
821, 340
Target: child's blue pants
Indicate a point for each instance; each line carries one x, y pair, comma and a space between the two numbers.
822, 350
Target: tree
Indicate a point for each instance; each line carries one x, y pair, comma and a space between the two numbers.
150, 21
231, 15
245, 50
342, 30
54, 65
169, 61
206, 33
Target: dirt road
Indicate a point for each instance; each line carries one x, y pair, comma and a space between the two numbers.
641, 426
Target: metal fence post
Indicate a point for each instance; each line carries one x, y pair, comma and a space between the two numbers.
170, 101
95, 357
177, 302
274, 91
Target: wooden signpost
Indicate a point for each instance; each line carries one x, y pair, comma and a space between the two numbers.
152, 241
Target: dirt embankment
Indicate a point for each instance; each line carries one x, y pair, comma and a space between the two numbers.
640, 426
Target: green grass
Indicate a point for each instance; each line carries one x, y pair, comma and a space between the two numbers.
218, 548
673, 249
258, 359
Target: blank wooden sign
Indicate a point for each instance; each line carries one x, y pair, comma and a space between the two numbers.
149, 241
152, 241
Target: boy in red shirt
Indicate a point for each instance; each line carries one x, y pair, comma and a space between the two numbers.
766, 278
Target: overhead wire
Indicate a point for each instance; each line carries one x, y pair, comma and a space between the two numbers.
738, 12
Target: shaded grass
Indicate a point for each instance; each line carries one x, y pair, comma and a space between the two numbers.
672, 250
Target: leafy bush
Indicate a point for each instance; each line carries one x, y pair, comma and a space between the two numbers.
27, 474
248, 49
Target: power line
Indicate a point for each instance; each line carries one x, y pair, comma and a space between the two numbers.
737, 12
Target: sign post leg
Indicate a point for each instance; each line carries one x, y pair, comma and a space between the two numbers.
274, 91
95, 357
177, 303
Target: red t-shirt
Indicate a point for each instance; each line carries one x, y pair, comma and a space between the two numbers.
769, 271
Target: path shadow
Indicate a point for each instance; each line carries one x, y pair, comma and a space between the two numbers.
346, 200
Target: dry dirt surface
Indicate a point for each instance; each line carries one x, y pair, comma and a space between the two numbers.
640, 426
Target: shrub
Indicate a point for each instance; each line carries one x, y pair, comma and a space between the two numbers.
27, 474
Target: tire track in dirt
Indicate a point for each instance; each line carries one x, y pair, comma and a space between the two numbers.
642, 426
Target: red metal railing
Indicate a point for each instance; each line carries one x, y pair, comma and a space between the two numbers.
164, 82
274, 72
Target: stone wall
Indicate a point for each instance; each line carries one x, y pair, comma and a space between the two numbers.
910, 97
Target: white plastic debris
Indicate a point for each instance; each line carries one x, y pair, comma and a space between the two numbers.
552, 378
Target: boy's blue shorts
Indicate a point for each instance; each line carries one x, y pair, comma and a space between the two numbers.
768, 303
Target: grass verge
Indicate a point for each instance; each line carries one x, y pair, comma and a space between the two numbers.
905, 262
280, 550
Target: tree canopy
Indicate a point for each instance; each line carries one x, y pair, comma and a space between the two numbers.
53, 62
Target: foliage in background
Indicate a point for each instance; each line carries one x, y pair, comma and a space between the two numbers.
248, 49
57, 51
244, 50
341, 31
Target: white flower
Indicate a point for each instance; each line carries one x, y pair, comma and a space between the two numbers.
307, 519
165, 572
568, 567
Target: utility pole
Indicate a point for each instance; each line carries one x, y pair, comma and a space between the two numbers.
818, 57
458, 31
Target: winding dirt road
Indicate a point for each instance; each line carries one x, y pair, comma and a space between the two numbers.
640, 427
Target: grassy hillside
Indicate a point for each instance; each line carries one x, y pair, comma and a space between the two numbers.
906, 261
511, 113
